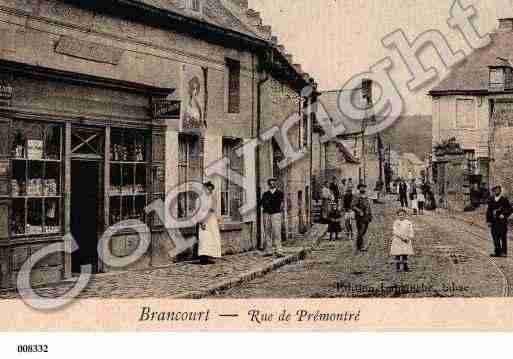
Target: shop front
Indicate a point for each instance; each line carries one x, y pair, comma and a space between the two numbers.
78, 154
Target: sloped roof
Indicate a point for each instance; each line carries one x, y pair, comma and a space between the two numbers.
214, 12
472, 75
347, 154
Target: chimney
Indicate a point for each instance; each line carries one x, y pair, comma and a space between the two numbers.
505, 9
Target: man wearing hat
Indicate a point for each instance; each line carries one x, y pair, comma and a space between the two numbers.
272, 204
363, 214
499, 210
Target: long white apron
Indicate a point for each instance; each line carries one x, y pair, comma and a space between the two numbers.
210, 238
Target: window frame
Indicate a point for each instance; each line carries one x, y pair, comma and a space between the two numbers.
231, 189
233, 100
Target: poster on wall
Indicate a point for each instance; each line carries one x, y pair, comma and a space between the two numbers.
193, 112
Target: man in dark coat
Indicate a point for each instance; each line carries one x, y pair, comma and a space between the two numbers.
335, 191
363, 214
499, 210
403, 194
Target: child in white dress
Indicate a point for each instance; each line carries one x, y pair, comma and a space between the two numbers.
415, 204
402, 241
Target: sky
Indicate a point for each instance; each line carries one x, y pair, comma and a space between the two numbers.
334, 40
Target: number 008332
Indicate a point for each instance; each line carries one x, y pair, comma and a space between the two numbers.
36, 348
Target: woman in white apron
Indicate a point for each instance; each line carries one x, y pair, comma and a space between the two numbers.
209, 247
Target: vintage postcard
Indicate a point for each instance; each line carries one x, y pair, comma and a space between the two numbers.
256, 165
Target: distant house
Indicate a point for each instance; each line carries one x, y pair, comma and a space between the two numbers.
473, 119
351, 154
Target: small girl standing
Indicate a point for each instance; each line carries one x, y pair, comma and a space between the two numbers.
415, 204
402, 241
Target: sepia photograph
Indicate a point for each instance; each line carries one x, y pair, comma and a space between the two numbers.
256, 164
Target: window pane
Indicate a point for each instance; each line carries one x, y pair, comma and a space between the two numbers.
233, 87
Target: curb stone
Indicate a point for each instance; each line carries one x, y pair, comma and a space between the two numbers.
257, 273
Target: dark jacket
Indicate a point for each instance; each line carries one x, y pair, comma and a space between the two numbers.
362, 209
498, 208
403, 189
272, 202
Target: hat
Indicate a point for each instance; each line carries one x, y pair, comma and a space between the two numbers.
497, 187
361, 185
272, 179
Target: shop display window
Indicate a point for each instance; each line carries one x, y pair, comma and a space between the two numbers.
36, 178
129, 174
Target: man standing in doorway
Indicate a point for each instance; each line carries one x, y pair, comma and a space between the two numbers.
363, 215
499, 210
272, 204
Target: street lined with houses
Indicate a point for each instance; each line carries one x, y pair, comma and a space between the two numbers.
451, 260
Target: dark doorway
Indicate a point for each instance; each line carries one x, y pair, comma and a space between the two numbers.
85, 176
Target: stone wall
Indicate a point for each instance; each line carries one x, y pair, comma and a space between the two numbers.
501, 169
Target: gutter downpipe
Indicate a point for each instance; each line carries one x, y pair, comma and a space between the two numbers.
260, 83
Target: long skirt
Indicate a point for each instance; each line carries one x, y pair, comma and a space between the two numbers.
210, 239
401, 248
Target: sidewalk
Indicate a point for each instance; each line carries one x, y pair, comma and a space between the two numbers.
188, 279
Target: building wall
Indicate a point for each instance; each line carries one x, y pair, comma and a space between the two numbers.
445, 124
30, 31
501, 164
279, 102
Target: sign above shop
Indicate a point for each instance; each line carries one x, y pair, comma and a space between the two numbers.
88, 50
166, 109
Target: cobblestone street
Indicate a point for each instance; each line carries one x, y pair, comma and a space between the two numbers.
452, 260
181, 279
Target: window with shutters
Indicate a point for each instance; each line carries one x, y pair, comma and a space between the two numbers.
231, 193
189, 169
233, 86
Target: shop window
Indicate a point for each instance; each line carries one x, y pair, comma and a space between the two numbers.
189, 169
128, 175
231, 194
233, 86
36, 178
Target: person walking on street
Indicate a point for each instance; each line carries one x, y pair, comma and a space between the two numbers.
499, 210
335, 190
326, 198
334, 226
363, 215
403, 194
349, 215
272, 204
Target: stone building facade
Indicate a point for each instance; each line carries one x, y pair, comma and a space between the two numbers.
104, 109
472, 110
